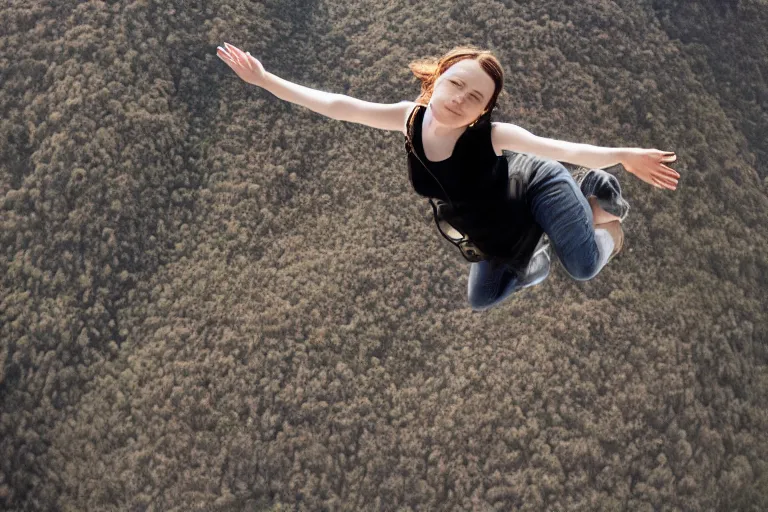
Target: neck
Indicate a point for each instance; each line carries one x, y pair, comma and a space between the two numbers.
433, 127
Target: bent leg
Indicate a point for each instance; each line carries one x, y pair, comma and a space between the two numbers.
490, 283
562, 211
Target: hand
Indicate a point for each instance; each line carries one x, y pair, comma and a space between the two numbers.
244, 64
648, 165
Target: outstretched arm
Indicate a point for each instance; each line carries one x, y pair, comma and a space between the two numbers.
646, 164
385, 116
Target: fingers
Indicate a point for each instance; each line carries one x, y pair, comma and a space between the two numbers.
230, 57
235, 53
659, 184
656, 173
239, 55
223, 55
671, 182
229, 52
666, 182
670, 172
666, 173
235, 56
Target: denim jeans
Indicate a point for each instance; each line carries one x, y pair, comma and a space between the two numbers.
563, 212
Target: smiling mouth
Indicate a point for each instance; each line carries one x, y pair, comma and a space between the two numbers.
451, 111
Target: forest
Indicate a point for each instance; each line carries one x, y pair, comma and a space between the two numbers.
211, 299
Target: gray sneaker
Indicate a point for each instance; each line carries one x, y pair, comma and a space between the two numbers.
538, 267
605, 187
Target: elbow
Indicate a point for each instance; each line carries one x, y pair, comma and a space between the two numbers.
337, 107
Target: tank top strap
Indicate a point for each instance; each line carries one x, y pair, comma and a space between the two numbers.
410, 123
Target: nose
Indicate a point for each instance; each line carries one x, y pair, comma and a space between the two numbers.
457, 103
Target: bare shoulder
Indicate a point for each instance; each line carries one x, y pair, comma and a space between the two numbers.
504, 135
511, 137
497, 136
408, 107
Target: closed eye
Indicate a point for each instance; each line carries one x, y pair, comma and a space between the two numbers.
473, 96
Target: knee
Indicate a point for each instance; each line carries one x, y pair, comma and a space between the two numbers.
582, 270
478, 301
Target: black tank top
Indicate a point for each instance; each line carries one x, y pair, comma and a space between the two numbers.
472, 174
491, 209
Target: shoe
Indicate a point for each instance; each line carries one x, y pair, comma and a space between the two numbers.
538, 267
606, 188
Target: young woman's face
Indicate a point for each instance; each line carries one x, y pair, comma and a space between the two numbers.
461, 94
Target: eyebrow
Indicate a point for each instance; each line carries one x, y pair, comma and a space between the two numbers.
474, 90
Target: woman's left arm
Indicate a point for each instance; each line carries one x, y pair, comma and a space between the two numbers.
646, 164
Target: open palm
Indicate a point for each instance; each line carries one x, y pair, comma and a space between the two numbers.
648, 165
244, 64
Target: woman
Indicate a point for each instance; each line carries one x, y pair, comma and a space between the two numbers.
498, 200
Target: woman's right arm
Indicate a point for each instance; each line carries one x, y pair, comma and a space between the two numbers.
385, 116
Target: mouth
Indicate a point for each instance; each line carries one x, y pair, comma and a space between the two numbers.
451, 111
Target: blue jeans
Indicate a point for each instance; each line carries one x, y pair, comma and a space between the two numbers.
562, 211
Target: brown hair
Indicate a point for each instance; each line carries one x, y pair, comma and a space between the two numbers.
429, 70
